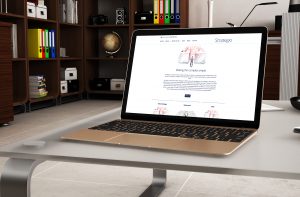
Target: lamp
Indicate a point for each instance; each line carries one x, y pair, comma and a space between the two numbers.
266, 3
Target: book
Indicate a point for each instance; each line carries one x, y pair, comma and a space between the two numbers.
14, 38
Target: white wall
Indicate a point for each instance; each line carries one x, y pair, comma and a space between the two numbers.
235, 11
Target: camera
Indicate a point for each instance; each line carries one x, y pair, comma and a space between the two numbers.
99, 19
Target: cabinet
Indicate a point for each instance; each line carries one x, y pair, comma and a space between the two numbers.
272, 69
69, 36
6, 99
82, 44
97, 63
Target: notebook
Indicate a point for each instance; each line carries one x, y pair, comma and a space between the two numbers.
191, 90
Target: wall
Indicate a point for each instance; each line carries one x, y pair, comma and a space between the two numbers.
235, 11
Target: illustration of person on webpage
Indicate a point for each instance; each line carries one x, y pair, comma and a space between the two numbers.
192, 55
211, 113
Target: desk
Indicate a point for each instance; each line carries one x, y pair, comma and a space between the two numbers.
274, 152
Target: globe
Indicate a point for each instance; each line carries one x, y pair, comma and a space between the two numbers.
111, 43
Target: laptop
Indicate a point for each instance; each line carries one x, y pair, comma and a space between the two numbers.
191, 90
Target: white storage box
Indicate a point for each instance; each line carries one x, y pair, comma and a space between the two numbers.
41, 2
41, 11
63, 87
31, 10
68, 73
117, 84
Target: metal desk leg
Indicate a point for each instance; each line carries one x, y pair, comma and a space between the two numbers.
16, 177
158, 183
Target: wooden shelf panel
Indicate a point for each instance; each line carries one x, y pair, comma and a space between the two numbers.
108, 26
105, 92
70, 25
158, 25
35, 100
31, 19
107, 59
70, 94
42, 59
18, 59
10, 15
70, 59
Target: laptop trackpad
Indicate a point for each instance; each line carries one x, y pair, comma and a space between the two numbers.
171, 143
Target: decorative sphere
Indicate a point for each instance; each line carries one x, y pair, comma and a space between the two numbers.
112, 43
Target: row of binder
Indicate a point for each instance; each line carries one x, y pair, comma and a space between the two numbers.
41, 43
166, 11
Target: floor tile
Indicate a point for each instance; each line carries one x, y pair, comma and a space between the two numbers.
126, 176
58, 188
229, 185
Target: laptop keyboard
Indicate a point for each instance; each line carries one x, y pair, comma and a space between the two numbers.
176, 130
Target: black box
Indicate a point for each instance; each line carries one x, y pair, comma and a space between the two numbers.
99, 19
143, 17
100, 84
73, 85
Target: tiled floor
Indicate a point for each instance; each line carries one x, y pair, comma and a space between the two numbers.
59, 179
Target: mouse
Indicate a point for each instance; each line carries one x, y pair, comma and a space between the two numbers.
296, 129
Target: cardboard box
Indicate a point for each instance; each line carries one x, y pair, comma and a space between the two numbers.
68, 73
41, 11
63, 87
31, 9
117, 84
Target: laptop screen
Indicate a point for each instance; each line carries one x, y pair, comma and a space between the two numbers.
195, 75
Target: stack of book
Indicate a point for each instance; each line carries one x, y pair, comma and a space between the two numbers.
37, 86
69, 11
14, 39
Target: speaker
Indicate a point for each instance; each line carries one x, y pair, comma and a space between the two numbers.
120, 16
294, 6
278, 22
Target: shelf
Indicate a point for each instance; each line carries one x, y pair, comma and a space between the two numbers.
69, 94
10, 15
69, 25
105, 92
70, 59
18, 59
158, 25
35, 100
108, 26
42, 59
41, 20
107, 59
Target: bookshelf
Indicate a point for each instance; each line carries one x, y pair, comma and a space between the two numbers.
82, 44
97, 62
69, 36
6, 106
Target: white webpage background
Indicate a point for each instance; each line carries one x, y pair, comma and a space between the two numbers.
235, 65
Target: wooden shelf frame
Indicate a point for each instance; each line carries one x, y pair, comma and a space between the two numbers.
96, 62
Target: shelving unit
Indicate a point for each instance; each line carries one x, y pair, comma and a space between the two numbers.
97, 63
68, 35
82, 43
6, 96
